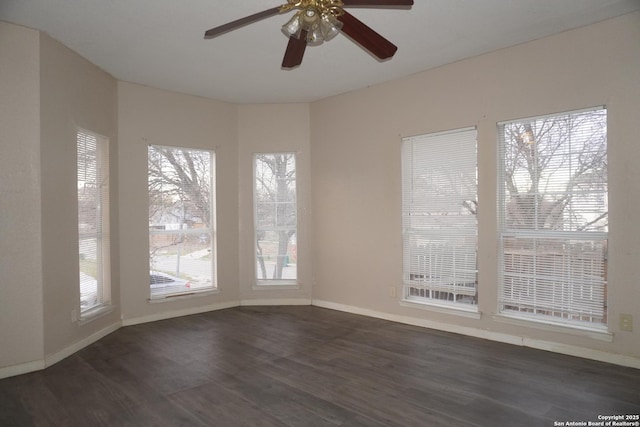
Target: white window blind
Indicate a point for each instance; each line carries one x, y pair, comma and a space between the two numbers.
182, 241
439, 205
93, 219
275, 216
554, 217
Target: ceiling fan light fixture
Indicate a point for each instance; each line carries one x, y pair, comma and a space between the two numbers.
309, 19
320, 26
314, 37
293, 27
330, 26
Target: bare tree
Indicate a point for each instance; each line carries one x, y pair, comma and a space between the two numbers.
276, 207
179, 182
555, 172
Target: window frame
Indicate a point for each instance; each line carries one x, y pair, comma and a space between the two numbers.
101, 204
274, 283
419, 280
211, 232
569, 240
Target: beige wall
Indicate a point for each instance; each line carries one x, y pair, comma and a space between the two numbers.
21, 335
150, 116
48, 91
270, 129
355, 168
74, 94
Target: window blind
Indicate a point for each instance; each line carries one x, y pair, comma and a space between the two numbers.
93, 219
553, 217
439, 206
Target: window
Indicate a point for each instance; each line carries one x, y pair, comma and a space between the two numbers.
93, 220
439, 205
275, 218
182, 240
553, 218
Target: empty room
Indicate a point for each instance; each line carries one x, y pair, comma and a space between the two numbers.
322, 212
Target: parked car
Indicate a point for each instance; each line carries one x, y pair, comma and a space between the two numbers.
162, 283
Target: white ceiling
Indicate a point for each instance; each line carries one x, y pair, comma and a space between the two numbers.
160, 43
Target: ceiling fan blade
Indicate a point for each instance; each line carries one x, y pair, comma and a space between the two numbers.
295, 51
366, 37
241, 22
374, 3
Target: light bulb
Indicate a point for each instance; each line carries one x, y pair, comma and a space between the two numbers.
330, 26
314, 37
309, 19
293, 27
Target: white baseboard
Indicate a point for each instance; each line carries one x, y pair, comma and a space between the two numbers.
75, 347
276, 301
22, 368
178, 313
213, 307
51, 359
570, 350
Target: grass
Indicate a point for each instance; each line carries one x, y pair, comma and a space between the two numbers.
89, 267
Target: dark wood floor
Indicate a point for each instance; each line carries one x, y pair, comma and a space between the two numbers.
307, 366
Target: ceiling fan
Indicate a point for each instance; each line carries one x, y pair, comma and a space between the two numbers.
317, 21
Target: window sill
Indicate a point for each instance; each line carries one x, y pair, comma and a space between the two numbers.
95, 313
545, 325
269, 285
158, 299
472, 313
